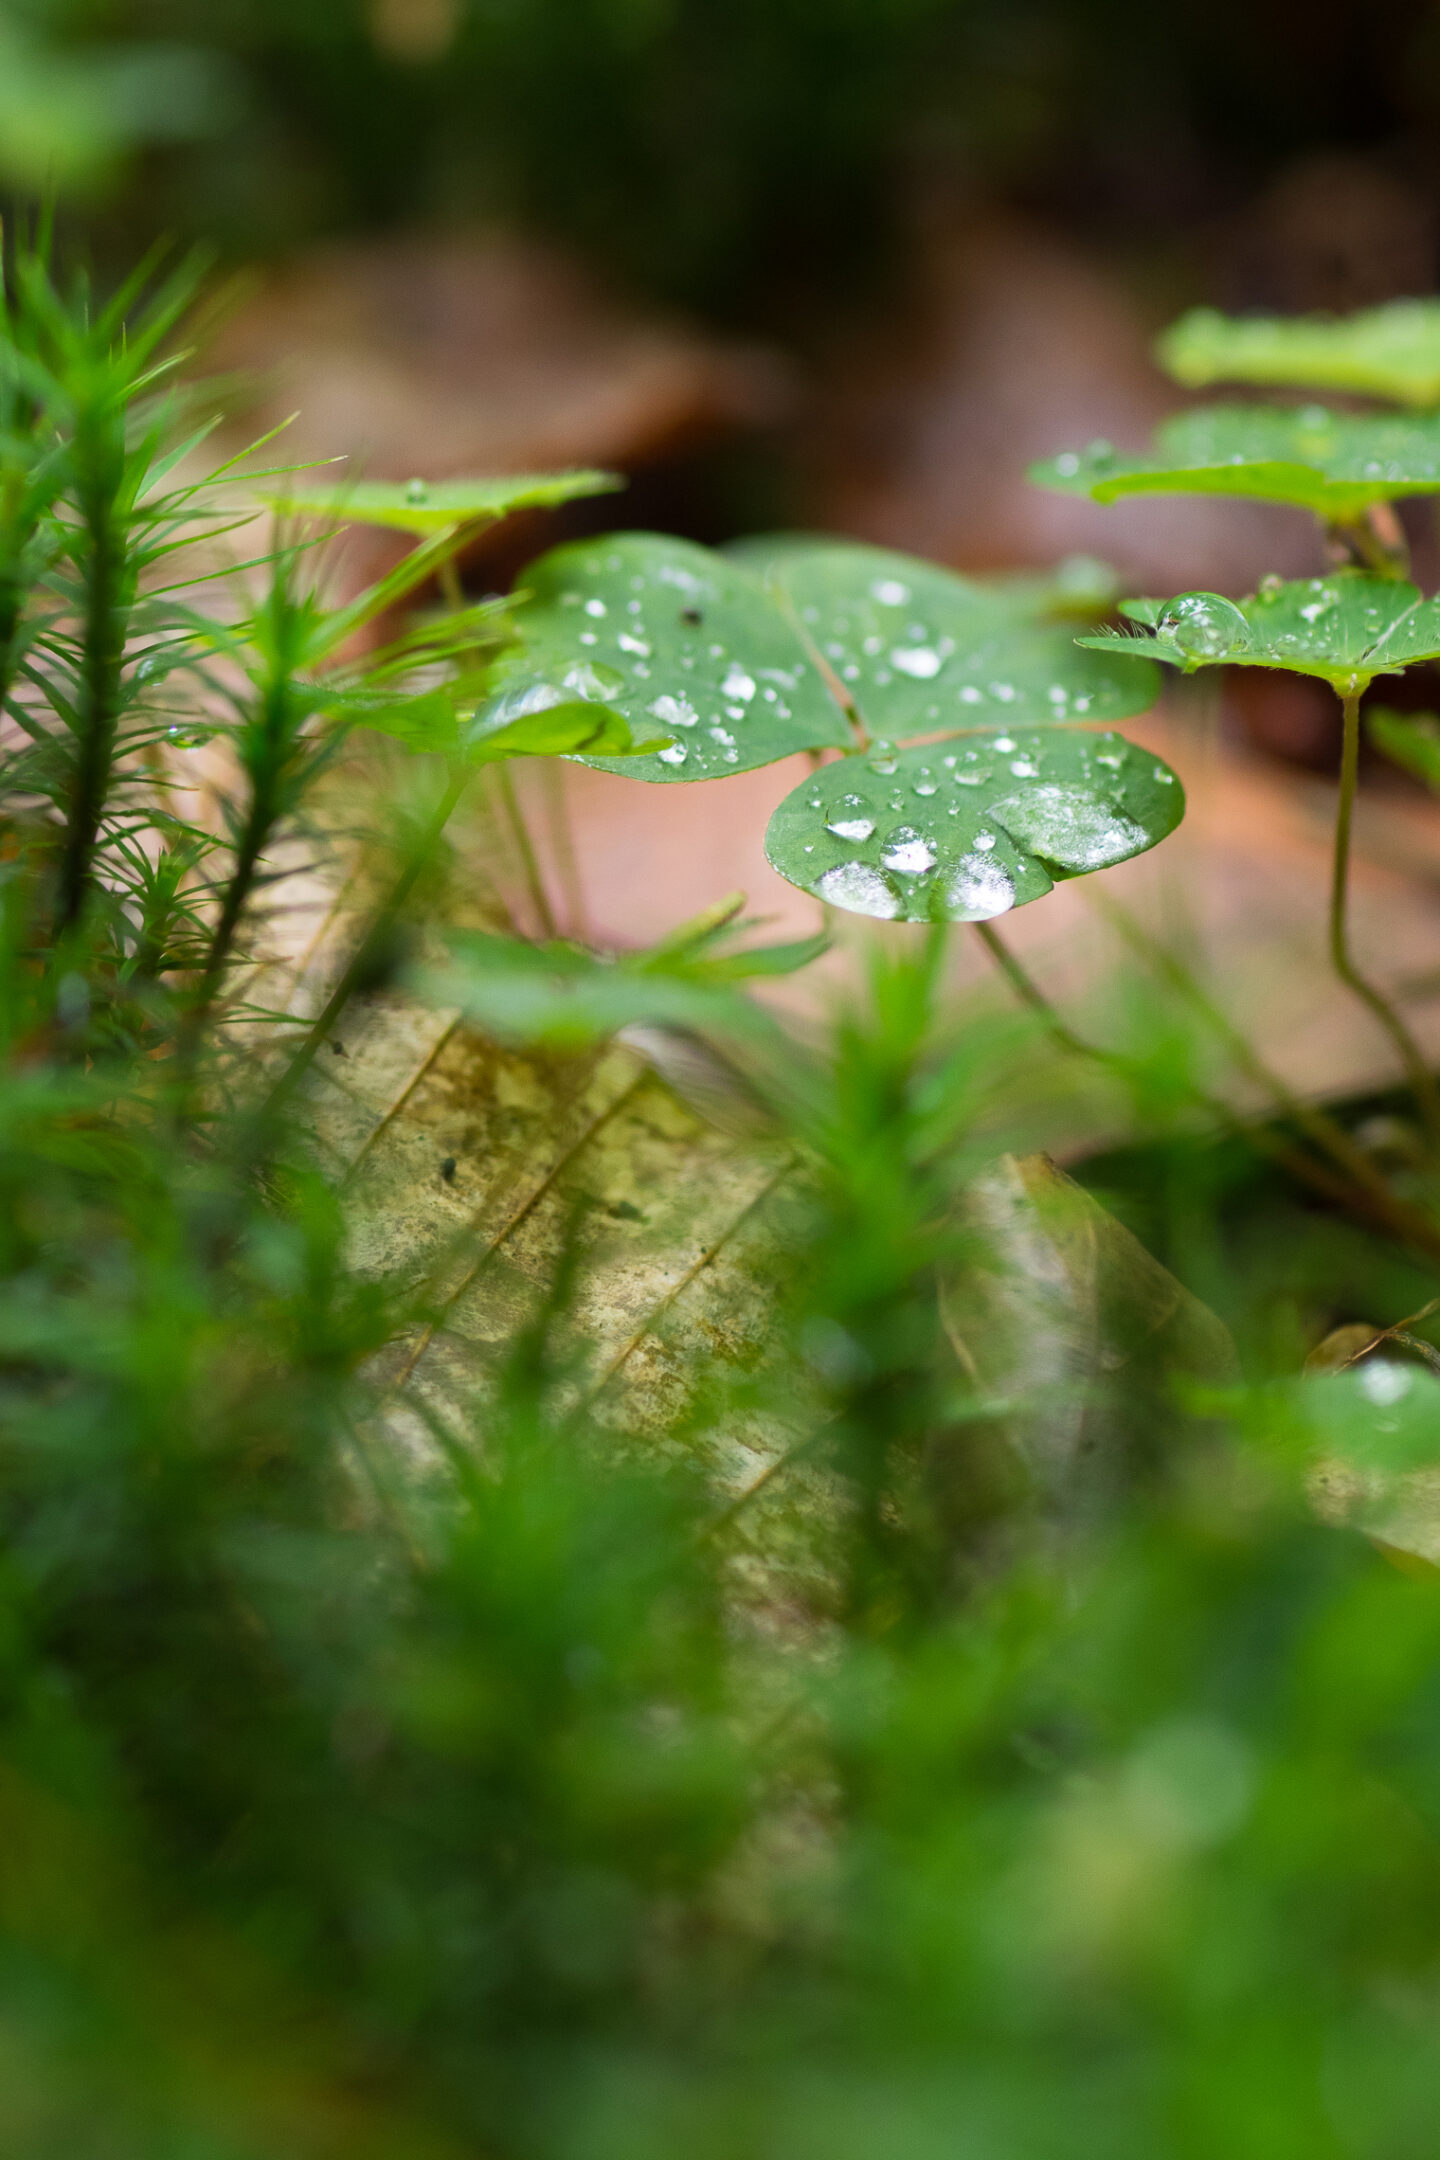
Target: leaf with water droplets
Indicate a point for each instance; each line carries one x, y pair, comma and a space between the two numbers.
919, 649
966, 829
1335, 464
1346, 628
424, 507
1387, 352
680, 642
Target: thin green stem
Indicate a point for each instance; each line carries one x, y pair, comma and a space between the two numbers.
1318, 1126
1369, 1197
514, 817
1422, 1080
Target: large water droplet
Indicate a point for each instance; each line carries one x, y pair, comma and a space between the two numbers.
851, 823
1070, 826
520, 699
738, 684
1204, 624
925, 782
675, 753
918, 661
863, 891
907, 850
589, 681
978, 888
883, 758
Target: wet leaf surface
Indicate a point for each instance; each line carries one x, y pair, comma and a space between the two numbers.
425, 507
682, 643
1346, 629
1334, 464
1389, 352
968, 828
919, 648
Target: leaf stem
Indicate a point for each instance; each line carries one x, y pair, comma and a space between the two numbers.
1422, 1080
520, 833
1367, 1195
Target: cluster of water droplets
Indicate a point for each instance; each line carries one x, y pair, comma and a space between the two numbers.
659, 622
1072, 822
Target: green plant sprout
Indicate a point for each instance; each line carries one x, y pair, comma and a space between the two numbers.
1345, 630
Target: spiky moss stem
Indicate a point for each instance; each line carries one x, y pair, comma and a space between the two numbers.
1422, 1080
108, 579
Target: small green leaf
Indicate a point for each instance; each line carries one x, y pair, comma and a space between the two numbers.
1409, 740
682, 643
1346, 628
561, 728
564, 996
920, 649
435, 506
1334, 464
969, 828
1388, 352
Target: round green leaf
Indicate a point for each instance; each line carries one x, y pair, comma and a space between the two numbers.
435, 506
1334, 464
968, 828
920, 649
682, 643
1388, 352
1346, 629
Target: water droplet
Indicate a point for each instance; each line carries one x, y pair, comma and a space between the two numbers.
1023, 768
1004, 742
738, 685
627, 643
971, 696
985, 841
674, 754
1204, 624
1067, 465
1004, 691
917, 661
907, 850
1385, 1381
416, 491
863, 891
1163, 774
588, 637
1271, 587
883, 757
1323, 604
520, 699
1113, 758
890, 592
1070, 826
721, 735
595, 607
871, 646
589, 681
188, 738
925, 782
851, 828
675, 711
978, 888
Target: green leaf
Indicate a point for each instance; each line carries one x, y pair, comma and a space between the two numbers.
1346, 629
920, 649
969, 828
1409, 740
435, 506
1388, 352
565, 997
681, 642
1334, 464
558, 728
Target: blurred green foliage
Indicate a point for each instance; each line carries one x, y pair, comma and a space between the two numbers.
408, 1806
